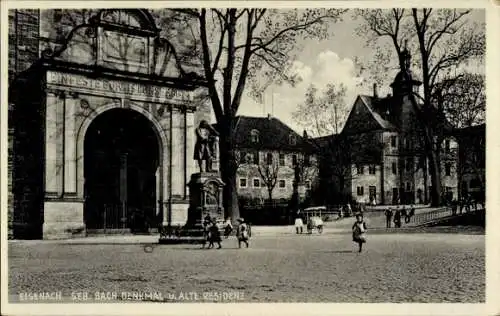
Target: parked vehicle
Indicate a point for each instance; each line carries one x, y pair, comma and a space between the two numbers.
314, 218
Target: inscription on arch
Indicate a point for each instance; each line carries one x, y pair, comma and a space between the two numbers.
118, 87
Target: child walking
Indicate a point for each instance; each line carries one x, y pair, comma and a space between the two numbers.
228, 228
242, 233
359, 231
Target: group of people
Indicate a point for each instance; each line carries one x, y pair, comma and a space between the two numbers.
465, 204
398, 216
212, 233
345, 211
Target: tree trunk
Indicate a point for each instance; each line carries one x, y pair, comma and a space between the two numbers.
434, 169
270, 195
228, 170
426, 190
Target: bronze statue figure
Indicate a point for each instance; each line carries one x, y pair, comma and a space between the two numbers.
206, 147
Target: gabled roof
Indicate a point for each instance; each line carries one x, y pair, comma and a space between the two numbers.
385, 111
376, 106
273, 134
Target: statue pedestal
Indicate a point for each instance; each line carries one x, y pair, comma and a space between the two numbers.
205, 193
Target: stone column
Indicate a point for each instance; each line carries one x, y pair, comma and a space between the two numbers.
166, 121
158, 207
54, 143
70, 146
178, 151
189, 149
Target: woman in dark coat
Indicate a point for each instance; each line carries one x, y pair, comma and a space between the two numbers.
397, 218
214, 236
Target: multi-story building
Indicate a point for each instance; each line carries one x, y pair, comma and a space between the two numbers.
269, 155
387, 163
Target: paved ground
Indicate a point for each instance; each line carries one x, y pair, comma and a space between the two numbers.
410, 267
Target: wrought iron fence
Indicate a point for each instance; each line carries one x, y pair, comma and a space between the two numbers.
114, 216
430, 216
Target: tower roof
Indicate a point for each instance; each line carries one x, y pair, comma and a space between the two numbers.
405, 75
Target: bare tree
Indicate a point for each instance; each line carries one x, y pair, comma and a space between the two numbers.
307, 165
240, 47
444, 41
323, 115
268, 170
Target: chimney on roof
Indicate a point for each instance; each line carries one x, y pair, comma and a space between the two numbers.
375, 93
269, 116
304, 135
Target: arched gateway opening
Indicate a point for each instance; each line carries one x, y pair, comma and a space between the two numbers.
122, 155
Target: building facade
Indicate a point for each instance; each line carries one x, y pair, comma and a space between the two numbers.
387, 162
102, 113
271, 155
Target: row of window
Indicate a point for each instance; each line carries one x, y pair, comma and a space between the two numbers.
407, 143
255, 137
254, 158
360, 169
257, 183
408, 166
360, 190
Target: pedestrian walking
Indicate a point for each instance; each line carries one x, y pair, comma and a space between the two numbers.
349, 209
228, 227
397, 218
359, 231
468, 203
412, 212
242, 233
454, 206
388, 217
206, 230
214, 236
299, 223
409, 214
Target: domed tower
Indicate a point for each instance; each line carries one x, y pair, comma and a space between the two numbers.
404, 83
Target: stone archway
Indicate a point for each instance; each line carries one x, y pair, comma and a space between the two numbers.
122, 167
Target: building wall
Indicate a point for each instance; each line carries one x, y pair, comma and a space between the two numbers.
250, 171
366, 180
408, 178
23, 51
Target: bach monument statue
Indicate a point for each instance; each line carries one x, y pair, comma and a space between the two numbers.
205, 187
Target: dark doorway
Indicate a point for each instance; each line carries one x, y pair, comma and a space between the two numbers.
121, 160
373, 194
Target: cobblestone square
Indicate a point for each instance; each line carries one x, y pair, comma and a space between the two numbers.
410, 267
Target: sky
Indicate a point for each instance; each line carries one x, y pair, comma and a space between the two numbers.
320, 63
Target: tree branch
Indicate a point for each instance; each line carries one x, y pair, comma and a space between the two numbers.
223, 26
298, 27
208, 71
434, 37
244, 66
